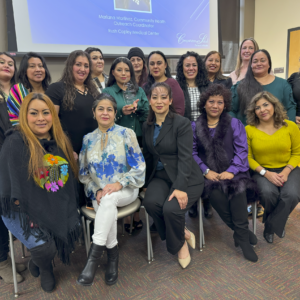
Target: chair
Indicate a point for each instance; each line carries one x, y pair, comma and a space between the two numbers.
201, 230
254, 214
88, 216
12, 254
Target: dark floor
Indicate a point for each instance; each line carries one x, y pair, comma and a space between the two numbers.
219, 272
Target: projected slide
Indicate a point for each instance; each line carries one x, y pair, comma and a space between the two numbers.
142, 23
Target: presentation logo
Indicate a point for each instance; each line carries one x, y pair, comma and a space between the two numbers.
202, 39
143, 6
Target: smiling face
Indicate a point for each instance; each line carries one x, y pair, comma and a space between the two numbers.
213, 64
160, 101
260, 64
81, 70
39, 118
121, 73
214, 106
137, 63
97, 63
157, 66
247, 50
264, 110
35, 70
7, 68
190, 68
104, 114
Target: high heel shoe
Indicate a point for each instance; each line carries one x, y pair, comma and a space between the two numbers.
184, 262
192, 240
247, 249
269, 237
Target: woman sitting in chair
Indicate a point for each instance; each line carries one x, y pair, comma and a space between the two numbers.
112, 169
173, 179
274, 153
37, 187
221, 151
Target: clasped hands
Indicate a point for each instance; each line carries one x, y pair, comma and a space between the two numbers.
277, 179
214, 176
108, 189
131, 108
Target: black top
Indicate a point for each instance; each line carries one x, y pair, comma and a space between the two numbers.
173, 147
5, 124
294, 81
76, 122
226, 82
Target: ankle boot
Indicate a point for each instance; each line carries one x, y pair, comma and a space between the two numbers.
111, 274
87, 275
42, 257
247, 249
6, 272
252, 239
33, 269
207, 209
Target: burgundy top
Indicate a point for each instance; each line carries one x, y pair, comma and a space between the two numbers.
239, 163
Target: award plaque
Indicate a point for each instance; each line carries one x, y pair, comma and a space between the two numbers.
129, 93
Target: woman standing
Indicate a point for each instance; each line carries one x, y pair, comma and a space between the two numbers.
128, 115
138, 60
294, 81
247, 48
258, 79
173, 179
73, 97
192, 78
37, 187
112, 169
159, 71
100, 79
274, 154
7, 80
33, 76
221, 151
213, 64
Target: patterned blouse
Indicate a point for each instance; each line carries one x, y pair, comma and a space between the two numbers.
121, 160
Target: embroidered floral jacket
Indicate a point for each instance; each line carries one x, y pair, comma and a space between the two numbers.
120, 160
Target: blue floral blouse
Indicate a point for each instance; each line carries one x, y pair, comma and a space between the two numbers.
121, 160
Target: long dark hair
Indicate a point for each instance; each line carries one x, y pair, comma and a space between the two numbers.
172, 111
112, 79
89, 50
201, 78
68, 79
150, 79
249, 86
22, 74
14, 78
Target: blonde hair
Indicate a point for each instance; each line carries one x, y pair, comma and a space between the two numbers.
279, 112
239, 58
36, 150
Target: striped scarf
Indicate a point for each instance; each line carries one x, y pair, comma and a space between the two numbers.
16, 95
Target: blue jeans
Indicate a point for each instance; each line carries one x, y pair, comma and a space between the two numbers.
14, 226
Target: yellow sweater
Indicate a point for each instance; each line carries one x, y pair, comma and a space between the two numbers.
276, 150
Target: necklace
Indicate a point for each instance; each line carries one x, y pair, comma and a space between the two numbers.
212, 124
81, 92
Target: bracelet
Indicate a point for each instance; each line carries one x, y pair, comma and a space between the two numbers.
289, 168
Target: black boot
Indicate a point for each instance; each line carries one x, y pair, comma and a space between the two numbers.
33, 269
87, 275
252, 239
246, 247
207, 209
42, 257
111, 274
193, 211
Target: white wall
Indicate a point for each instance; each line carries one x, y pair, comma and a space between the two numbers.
273, 18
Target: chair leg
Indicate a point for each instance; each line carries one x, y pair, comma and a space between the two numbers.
12, 254
149, 243
88, 232
85, 235
200, 225
254, 214
23, 250
123, 226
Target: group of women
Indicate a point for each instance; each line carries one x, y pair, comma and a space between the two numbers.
79, 139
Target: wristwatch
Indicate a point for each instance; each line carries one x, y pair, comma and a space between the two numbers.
263, 172
206, 172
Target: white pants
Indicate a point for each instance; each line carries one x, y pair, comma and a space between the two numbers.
105, 232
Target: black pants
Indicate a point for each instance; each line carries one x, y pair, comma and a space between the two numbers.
167, 215
3, 241
233, 212
278, 202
